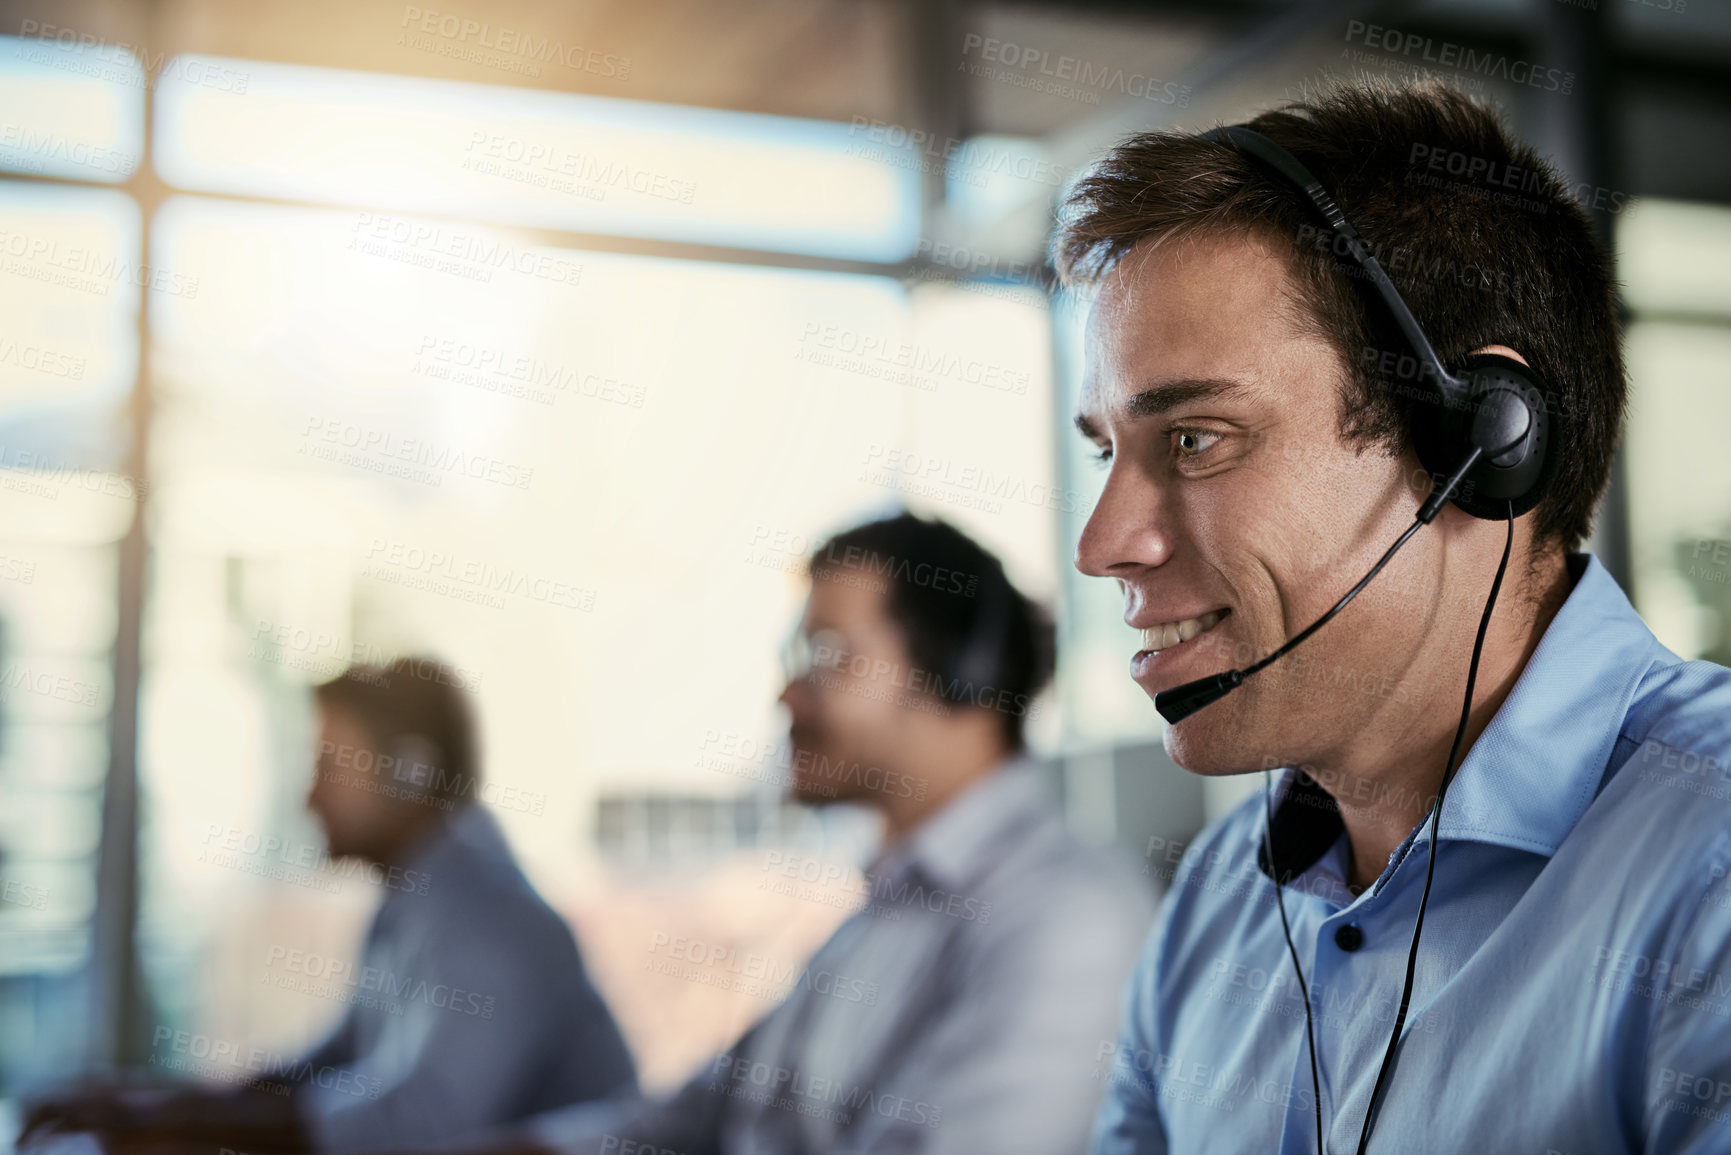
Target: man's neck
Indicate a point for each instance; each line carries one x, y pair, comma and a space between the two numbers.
417, 830
936, 780
1404, 774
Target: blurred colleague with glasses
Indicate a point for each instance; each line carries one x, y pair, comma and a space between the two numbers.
993, 942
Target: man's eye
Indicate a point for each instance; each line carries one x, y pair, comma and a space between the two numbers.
1103, 456
1191, 442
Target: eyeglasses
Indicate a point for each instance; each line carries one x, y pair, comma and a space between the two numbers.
823, 651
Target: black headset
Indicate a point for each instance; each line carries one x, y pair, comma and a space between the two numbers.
1492, 404
979, 660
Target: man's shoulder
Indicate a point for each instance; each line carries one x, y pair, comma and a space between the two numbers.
1048, 891
480, 893
1685, 705
1048, 859
1667, 799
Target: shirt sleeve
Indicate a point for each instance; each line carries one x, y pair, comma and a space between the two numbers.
1011, 1064
1688, 1093
688, 1122
470, 1020
1129, 1119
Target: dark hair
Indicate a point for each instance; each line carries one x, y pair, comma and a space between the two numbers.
1481, 236
961, 617
413, 696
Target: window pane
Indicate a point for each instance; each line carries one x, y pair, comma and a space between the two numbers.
1675, 262
69, 291
589, 482
57, 623
1671, 258
1680, 483
70, 280
517, 156
69, 109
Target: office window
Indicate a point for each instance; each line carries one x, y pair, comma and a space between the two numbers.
71, 277
516, 156
1674, 259
587, 480
70, 109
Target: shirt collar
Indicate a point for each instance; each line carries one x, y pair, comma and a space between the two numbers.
1539, 763
466, 831
955, 846
1306, 823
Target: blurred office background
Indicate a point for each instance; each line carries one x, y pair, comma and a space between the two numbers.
548, 339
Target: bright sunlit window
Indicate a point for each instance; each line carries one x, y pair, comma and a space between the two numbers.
515, 156
587, 480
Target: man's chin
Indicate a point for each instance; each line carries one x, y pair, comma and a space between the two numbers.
337, 849
813, 794
1215, 747
818, 775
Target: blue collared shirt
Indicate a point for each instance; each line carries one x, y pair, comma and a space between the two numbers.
1573, 985
957, 1012
471, 1008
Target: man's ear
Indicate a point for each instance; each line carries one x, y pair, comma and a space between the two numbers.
416, 761
1500, 351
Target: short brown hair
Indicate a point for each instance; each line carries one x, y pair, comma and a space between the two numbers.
948, 594
1477, 264
413, 696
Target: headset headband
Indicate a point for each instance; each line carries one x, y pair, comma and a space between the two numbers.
1451, 390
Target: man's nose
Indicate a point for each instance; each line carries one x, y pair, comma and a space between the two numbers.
1128, 529
797, 697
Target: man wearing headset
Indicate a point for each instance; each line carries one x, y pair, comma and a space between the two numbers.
1271, 419
470, 1006
958, 1010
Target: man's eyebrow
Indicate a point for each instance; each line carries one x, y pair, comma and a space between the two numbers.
1168, 395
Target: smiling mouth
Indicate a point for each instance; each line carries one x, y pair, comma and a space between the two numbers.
1169, 634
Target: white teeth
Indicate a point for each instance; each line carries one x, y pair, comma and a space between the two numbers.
1157, 638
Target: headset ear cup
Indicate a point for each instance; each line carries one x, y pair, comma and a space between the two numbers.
1490, 491
981, 658
1497, 490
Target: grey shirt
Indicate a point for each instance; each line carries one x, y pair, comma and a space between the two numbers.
470, 1010
995, 945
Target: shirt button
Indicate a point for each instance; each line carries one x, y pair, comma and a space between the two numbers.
1349, 937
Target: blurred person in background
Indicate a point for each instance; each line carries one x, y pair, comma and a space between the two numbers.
484, 1014
963, 1008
